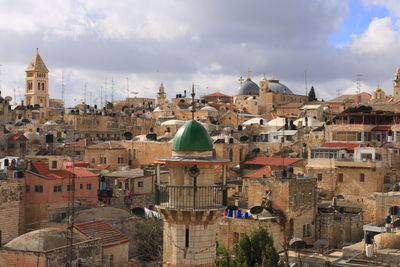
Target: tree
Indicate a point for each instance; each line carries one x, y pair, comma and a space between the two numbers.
311, 95
256, 250
149, 239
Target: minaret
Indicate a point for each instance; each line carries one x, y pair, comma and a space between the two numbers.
396, 86
37, 82
161, 95
191, 203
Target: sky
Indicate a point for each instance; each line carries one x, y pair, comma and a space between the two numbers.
139, 44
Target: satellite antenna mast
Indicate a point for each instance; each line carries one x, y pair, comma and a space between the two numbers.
85, 88
305, 81
90, 99
101, 96
112, 90
105, 91
359, 78
62, 88
127, 88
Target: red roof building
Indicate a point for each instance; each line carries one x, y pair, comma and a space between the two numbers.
347, 146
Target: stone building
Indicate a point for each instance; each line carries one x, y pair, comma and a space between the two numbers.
37, 83
111, 154
294, 196
266, 97
191, 203
49, 247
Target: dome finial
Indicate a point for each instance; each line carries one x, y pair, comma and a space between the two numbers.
248, 71
193, 95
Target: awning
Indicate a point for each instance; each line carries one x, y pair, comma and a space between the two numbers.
122, 179
381, 129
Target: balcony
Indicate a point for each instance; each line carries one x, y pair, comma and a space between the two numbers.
358, 164
191, 197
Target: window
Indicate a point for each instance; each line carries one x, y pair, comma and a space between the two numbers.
103, 160
340, 177
27, 188
88, 186
80, 186
54, 164
319, 175
70, 188
186, 237
140, 184
378, 157
120, 160
93, 160
362, 177
38, 188
306, 230
57, 188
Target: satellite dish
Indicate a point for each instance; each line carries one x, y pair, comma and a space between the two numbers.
297, 243
21, 164
321, 244
256, 210
8, 98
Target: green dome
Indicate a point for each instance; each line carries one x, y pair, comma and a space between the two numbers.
192, 136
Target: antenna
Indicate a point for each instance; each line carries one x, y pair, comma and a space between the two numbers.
112, 90
101, 96
62, 88
305, 81
359, 78
90, 99
338, 92
105, 91
15, 96
127, 88
85, 88
358, 83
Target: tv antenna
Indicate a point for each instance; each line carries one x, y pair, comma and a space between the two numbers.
62, 88
305, 81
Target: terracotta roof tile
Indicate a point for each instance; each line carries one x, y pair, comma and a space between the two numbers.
16, 137
102, 230
348, 146
217, 94
260, 173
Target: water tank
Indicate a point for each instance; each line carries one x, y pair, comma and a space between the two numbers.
369, 251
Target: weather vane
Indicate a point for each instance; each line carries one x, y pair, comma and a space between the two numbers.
193, 103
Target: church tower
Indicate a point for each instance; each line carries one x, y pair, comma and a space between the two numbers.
37, 82
396, 86
161, 95
191, 203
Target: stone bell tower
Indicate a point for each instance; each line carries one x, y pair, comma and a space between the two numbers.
161, 95
191, 203
37, 82
396, 85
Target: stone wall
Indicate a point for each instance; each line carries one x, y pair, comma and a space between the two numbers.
11, 210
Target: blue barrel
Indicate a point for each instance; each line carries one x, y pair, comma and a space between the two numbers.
230, 213
238, 214
246, 215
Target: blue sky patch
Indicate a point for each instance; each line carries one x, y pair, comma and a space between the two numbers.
358, 18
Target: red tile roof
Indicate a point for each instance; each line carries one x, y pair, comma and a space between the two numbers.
381, 128
102, 230
16, 137
102, 167
272, 161
269, 116
217, 94
348, 146
40, 168
81, 172
260, 173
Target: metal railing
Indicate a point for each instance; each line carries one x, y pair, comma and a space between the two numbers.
191, 197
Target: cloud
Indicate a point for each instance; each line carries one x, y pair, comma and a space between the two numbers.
209, 43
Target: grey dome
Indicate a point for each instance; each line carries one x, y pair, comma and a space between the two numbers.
249, 87
276, 86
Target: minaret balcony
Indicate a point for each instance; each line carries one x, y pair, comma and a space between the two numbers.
181, 197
